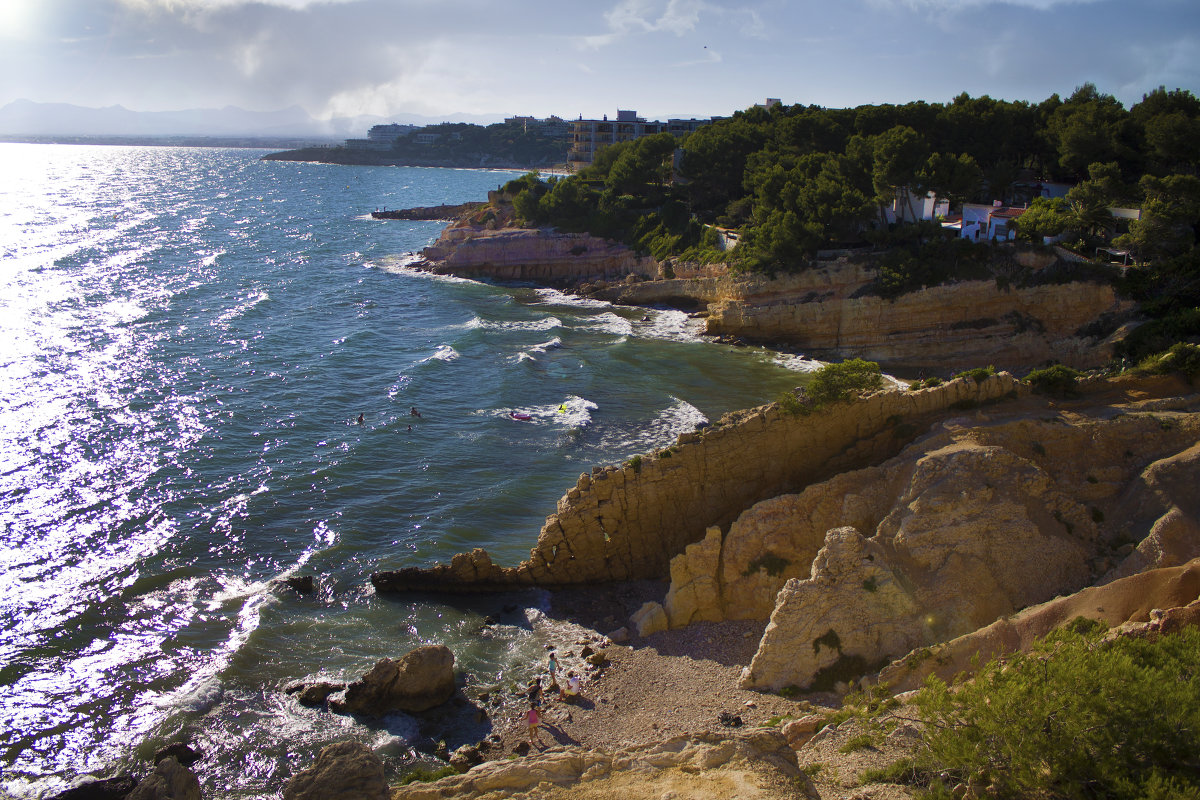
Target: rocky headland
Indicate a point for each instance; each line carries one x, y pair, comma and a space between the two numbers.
1021, 318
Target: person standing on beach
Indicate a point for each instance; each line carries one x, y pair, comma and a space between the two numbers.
534, 720
553, 668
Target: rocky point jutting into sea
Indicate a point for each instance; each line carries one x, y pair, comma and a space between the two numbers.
1020, 319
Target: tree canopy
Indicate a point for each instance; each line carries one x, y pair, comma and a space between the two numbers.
796, 179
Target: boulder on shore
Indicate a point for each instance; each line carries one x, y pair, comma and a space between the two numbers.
169, 781
342, 771
421, 680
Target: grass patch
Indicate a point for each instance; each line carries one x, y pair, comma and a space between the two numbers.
858, 742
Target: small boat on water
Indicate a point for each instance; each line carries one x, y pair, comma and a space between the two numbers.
520, 415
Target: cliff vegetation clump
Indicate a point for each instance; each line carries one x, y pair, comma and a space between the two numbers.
1079, 716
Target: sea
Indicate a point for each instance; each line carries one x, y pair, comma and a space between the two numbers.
211, 368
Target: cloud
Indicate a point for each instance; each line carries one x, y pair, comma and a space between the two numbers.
679, 18
958, 5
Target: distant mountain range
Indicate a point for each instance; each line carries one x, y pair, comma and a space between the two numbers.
27, 118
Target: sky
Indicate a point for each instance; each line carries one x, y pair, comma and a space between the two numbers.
661, 58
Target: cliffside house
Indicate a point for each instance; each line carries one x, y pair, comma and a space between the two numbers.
994, 222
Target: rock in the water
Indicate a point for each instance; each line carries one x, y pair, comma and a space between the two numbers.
181, 752
169, 781
421, 680
316, 694
99, 789
343, 771
303, 584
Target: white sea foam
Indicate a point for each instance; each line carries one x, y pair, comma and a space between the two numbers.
572, 412
553, 297
797, 363
443, 353
543, 324
662, 431
672, 325
607, 322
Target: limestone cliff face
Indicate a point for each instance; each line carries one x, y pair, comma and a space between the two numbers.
983, 517
623, 523
820, 310
972, 322
958, 325
1160, 599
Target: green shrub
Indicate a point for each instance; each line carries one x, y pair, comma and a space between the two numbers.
636, 463
1181, 357
791, 404
980, 374
1078, 717
928, 383
1057, 380
836, 382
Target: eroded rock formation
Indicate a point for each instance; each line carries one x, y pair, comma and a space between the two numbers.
1158, 599
983, 517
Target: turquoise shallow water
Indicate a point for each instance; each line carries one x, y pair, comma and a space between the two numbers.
190, 336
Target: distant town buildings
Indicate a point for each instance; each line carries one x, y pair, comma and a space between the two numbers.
584, 136
587, 136
381, 137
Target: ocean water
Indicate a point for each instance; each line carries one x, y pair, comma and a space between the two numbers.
189, 337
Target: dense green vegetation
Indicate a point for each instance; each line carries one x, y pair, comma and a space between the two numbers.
1079, 717
834, 383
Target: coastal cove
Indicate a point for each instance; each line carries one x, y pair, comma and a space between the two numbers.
305, 442
197, 334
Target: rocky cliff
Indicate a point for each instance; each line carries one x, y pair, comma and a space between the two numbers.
984, 516
627, 522
825, 311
